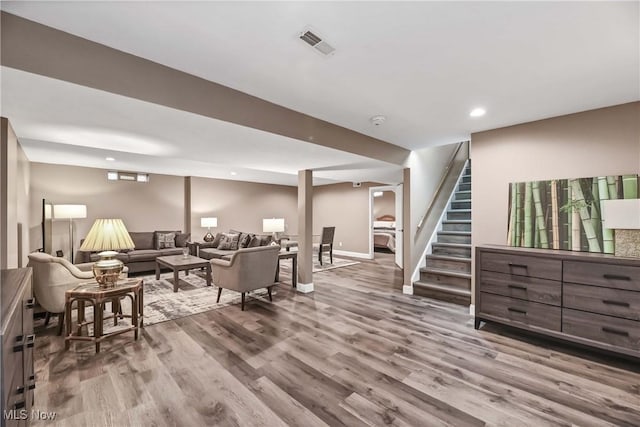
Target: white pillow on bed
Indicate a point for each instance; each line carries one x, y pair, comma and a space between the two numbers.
384, 224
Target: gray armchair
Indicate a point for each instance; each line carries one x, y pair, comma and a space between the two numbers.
247, 269
52, 276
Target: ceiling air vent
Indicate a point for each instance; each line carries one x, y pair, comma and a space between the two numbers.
316, 42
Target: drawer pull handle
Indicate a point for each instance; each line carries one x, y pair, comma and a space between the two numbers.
518, 265
31, 302
615, 331
30, 340
19, 345
517, 310
616, 277
524, 288
618, 303
19, 405
20, 389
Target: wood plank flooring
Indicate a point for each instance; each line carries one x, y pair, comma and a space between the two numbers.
355, 352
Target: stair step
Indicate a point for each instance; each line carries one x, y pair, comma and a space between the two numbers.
454, 237
458, 279
466, 178
459, 214
456, 225
442, 292
464, 186
449, 263
461, 204
461, 250
462, 195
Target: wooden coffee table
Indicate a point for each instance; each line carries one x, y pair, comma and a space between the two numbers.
181, 263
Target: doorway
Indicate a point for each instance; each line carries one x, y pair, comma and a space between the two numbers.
385, 222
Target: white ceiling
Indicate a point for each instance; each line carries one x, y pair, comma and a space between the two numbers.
424, 65
63, 123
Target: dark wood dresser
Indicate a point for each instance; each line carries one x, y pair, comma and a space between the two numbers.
589, 299
17, 377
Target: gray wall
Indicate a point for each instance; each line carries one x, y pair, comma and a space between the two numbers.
385, 204
241, 205
346, 208
592, 143
156, 205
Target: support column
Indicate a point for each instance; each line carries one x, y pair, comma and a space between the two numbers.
408, 233
187, 204
305, 231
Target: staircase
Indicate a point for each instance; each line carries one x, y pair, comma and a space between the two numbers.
447, 273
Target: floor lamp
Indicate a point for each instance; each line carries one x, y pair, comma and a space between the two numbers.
70, 212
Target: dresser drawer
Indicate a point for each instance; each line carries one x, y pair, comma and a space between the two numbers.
606, 329
521, 287
521, 265
519, 311
613, 302
602, 274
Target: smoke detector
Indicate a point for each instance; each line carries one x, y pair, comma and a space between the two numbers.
378, 120
316, 42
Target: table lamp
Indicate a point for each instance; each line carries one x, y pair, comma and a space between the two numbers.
623, 216
70, 212
273, 225
208, 222
107, 236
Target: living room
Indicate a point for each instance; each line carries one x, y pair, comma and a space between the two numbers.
562, 101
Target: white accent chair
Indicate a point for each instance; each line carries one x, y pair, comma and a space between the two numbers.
52, 277
247, 270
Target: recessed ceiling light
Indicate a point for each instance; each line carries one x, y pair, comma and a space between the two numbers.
109, 159
234, 173
477, 112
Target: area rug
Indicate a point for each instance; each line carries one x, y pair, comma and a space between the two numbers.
193, 297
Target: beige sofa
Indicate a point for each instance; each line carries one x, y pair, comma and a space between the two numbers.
143, 257
212, 250
246, 270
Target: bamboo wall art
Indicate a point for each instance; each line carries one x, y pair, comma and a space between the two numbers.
565, 213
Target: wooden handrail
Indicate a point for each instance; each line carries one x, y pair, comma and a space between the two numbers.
445, 175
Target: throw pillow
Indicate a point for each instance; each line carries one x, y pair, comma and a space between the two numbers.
229, 242
254, 242
182, 239
165, 240
216, 240
244, 240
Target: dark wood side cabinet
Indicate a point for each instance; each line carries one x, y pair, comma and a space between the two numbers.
589, 299
17, 377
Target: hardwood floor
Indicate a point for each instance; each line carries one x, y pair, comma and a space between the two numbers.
355, 352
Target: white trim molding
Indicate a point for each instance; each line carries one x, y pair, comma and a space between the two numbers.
305, 288
407, 290
472, 309
361, 255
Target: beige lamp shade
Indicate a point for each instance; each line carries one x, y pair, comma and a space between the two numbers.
273, 225
209, 222
107, 235
69, 211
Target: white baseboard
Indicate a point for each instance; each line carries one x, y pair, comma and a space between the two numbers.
408, 290
305, 288
472, 309
353, 254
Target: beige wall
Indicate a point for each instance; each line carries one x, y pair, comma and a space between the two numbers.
385, 204
593, 143
156, 205
346, 208
241, 205
13, 174
23, 211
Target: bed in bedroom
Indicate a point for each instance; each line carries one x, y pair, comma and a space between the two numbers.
384, 233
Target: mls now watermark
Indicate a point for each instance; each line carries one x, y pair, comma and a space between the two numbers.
33, 415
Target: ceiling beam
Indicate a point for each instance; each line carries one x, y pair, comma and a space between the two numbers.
36, 48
